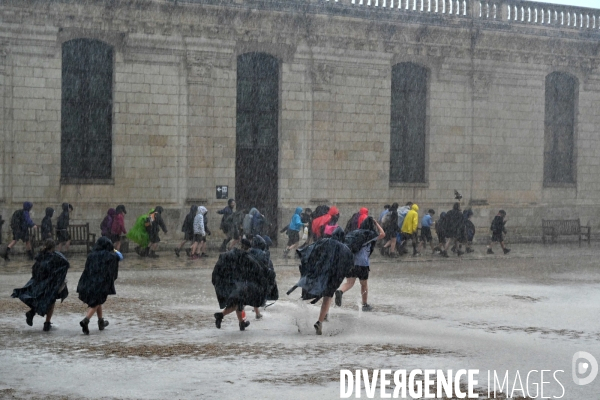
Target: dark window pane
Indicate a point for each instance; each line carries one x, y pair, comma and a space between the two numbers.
561, 90
86, 114
407, 125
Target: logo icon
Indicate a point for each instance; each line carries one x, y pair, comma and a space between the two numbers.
584, 364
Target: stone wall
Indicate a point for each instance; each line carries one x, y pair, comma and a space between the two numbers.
174, 110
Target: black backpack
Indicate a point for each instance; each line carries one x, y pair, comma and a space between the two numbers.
352, 224
16, 221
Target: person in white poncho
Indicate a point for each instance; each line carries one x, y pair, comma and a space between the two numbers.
199, 234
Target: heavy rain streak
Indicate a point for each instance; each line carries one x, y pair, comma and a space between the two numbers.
299, 199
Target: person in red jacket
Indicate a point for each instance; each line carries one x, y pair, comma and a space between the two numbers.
118, 227
318, 225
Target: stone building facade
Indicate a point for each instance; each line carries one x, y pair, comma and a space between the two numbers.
174, 121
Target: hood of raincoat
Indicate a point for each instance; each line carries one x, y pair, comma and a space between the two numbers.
194, 209
363, 213
415, 207
298, 210
65, 207
158, 209
333, 211
202, 210
121, 208
49, 212
253, 212
27, 206
338, 234
259, 243
103, 243
112, 212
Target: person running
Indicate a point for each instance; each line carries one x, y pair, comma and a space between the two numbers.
498, 230
454, 230
239, 280
118, 227
62, 228
139, 234
426, 224
20, 223
361, 265
260, 252
410, 227
390, 226
226, 225
155, 223
293, 232
199, 234
46, 227
47, 284
470, 230
188, 230
97, 281
440, 231
106, 224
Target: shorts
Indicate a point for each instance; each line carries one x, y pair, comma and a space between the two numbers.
391, 234
188, 236
362, 273
62, 236
293, 237
114, 238
21, 235
426, 234
198, 238
497, 237
154, 238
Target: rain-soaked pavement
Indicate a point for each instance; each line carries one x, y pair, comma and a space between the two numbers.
530, 310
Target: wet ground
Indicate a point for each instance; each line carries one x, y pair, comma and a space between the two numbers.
529, 310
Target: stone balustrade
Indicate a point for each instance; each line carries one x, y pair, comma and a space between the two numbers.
506, 11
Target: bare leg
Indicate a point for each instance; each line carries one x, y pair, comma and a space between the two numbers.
364, 290
257, 312
229, 310
99, 311
348, 285
117, 245
12, 243
67, 245
49, 313
91, 311
325, 308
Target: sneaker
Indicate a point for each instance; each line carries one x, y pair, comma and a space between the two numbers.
384, 251
177, 251
367, 307
285, 253
506, 251
489, 251
102, 323
318, 327
444, 254
417, 254
218, 319
153, 255
259, 315
29, 317
453, 249
47, 326
204, 255
5, 255
459, 253
338, 298
244, 325
188, 252
195, 257
84, 326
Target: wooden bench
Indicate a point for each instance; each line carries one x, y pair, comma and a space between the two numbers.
80, 235
554, 228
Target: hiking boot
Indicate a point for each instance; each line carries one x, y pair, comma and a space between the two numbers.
47, 326
177, 251
444, 254
218, 319
506, 251
489, 251
384, 251
84, 325
367, 307
152, 255
29, 317
318, 327
102, 323
244, 325
188, 252
204, 255
459, 253
338, 298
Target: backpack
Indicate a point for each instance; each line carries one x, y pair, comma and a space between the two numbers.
352, 224
106, 225
16, 221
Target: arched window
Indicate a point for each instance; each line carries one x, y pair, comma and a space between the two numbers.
559, 121
86, 113
408, 123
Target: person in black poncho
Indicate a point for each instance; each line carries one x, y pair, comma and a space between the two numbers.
260, 253
324, 264
47, 284
98, 281
239, 280
188, 230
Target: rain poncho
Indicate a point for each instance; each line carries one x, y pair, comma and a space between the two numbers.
239, 279
47, 224
324, 265
138, 233
97, 281
46, 284
260, 253
411, 220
